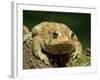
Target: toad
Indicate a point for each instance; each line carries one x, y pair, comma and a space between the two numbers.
55, 39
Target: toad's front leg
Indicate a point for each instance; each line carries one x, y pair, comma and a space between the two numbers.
37, 50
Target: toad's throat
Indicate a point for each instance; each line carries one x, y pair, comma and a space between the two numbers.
60, 49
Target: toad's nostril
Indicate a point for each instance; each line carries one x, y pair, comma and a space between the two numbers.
55, 35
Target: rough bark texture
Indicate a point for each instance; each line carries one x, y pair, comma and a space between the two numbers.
29, 60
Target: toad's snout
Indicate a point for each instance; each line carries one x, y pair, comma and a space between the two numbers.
61, 48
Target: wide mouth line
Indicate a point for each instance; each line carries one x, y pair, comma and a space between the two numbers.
46, 52
60, 46
60, 52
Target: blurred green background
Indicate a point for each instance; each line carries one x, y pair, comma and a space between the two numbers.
80, 23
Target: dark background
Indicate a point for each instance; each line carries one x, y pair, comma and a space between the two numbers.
80, 23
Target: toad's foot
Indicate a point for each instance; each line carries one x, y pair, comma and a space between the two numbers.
43, 58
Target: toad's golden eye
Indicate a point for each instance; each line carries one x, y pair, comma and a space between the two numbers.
55, 35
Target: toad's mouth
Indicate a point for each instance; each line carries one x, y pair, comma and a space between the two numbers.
60, 49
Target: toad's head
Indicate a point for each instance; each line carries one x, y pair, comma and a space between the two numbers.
55, 38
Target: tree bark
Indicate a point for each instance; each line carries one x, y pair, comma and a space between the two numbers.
29, 60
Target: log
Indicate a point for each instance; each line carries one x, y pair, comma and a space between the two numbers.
29, 60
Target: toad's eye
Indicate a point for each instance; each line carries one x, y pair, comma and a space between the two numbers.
72, 34
55, 35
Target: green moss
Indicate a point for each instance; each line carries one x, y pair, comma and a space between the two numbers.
81, 60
